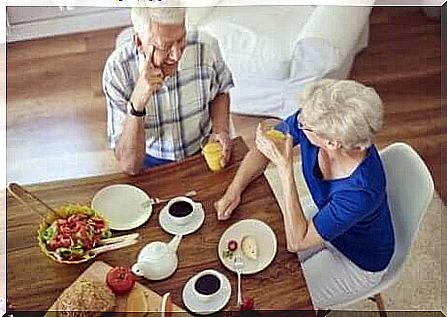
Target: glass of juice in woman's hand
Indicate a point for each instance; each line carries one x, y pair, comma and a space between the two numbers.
275, 129
212, 151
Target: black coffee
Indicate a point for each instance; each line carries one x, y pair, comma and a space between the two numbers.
207, 284
180, 209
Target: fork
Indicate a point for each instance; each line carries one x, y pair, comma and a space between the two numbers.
238, 266
156, 200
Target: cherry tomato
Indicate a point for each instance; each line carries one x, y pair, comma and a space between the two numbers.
120, 280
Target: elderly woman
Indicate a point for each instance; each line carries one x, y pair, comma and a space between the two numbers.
347, 245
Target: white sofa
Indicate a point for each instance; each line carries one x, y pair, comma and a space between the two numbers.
273, 51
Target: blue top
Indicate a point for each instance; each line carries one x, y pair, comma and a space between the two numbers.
353, 211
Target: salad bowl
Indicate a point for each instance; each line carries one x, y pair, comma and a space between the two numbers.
72, 233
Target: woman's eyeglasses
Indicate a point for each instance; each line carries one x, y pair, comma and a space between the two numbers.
301, 126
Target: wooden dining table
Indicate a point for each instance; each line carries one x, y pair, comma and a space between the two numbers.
34, 281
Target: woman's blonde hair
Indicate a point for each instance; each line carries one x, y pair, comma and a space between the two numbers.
342, 110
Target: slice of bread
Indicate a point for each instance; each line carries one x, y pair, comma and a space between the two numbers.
250, 247
137, 304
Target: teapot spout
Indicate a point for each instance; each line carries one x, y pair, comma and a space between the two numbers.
137, 269
174, 243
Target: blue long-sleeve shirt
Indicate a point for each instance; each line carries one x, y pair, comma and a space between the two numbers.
353, 211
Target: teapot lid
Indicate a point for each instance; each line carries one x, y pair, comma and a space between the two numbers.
156, 250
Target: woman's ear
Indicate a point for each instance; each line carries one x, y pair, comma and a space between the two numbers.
332, 145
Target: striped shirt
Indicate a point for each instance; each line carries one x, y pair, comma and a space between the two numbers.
177, 115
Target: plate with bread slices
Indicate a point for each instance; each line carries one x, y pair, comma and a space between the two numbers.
254, 240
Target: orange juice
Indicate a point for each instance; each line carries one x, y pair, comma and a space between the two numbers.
212, 151
275, 135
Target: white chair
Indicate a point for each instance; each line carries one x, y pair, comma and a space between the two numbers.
410, 191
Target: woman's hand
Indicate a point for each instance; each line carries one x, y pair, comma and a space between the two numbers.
279, 154
226, 205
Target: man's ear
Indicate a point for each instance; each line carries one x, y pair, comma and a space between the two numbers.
138, 43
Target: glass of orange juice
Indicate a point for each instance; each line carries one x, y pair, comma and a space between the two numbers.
275, 129
212, 151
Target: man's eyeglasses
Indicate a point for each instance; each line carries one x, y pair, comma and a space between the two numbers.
166, 49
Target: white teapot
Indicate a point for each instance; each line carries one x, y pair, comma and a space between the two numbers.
157, 260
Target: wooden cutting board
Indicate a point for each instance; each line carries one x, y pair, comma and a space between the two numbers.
98, 271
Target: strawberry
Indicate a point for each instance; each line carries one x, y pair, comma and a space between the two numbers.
247, 304
232, 245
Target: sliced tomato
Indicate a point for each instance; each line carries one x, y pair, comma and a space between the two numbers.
65, 230
61, 222
120, 280
53, 245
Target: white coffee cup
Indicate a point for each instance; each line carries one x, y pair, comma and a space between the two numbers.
206, 295
181, 218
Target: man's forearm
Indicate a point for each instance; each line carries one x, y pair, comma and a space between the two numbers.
131, 146
251, 167
220, 113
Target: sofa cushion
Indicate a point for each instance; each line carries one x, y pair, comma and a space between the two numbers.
257, 40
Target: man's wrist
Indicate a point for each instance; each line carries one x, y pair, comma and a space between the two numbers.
133, 111
137, 103
220, 129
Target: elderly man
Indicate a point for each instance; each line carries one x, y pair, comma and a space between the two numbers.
165, 91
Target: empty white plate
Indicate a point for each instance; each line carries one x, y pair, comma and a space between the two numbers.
125, 206
265, 240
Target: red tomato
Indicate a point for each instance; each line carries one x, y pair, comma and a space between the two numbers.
120, 280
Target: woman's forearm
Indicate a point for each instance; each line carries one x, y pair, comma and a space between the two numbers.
295, 222
251, 167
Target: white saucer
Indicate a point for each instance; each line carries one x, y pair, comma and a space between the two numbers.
125, 206
198, 216
201, 307
266, 241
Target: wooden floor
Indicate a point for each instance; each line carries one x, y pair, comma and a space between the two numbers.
56, 118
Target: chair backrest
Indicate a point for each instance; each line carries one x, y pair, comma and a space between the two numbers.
410, 191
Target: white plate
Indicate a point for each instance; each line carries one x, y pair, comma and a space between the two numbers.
125, 206
201, 307
265, 238
197, 219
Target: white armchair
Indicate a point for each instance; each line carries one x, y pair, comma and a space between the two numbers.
273, 51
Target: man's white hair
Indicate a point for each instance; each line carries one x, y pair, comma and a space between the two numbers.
142, 16
344, 111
